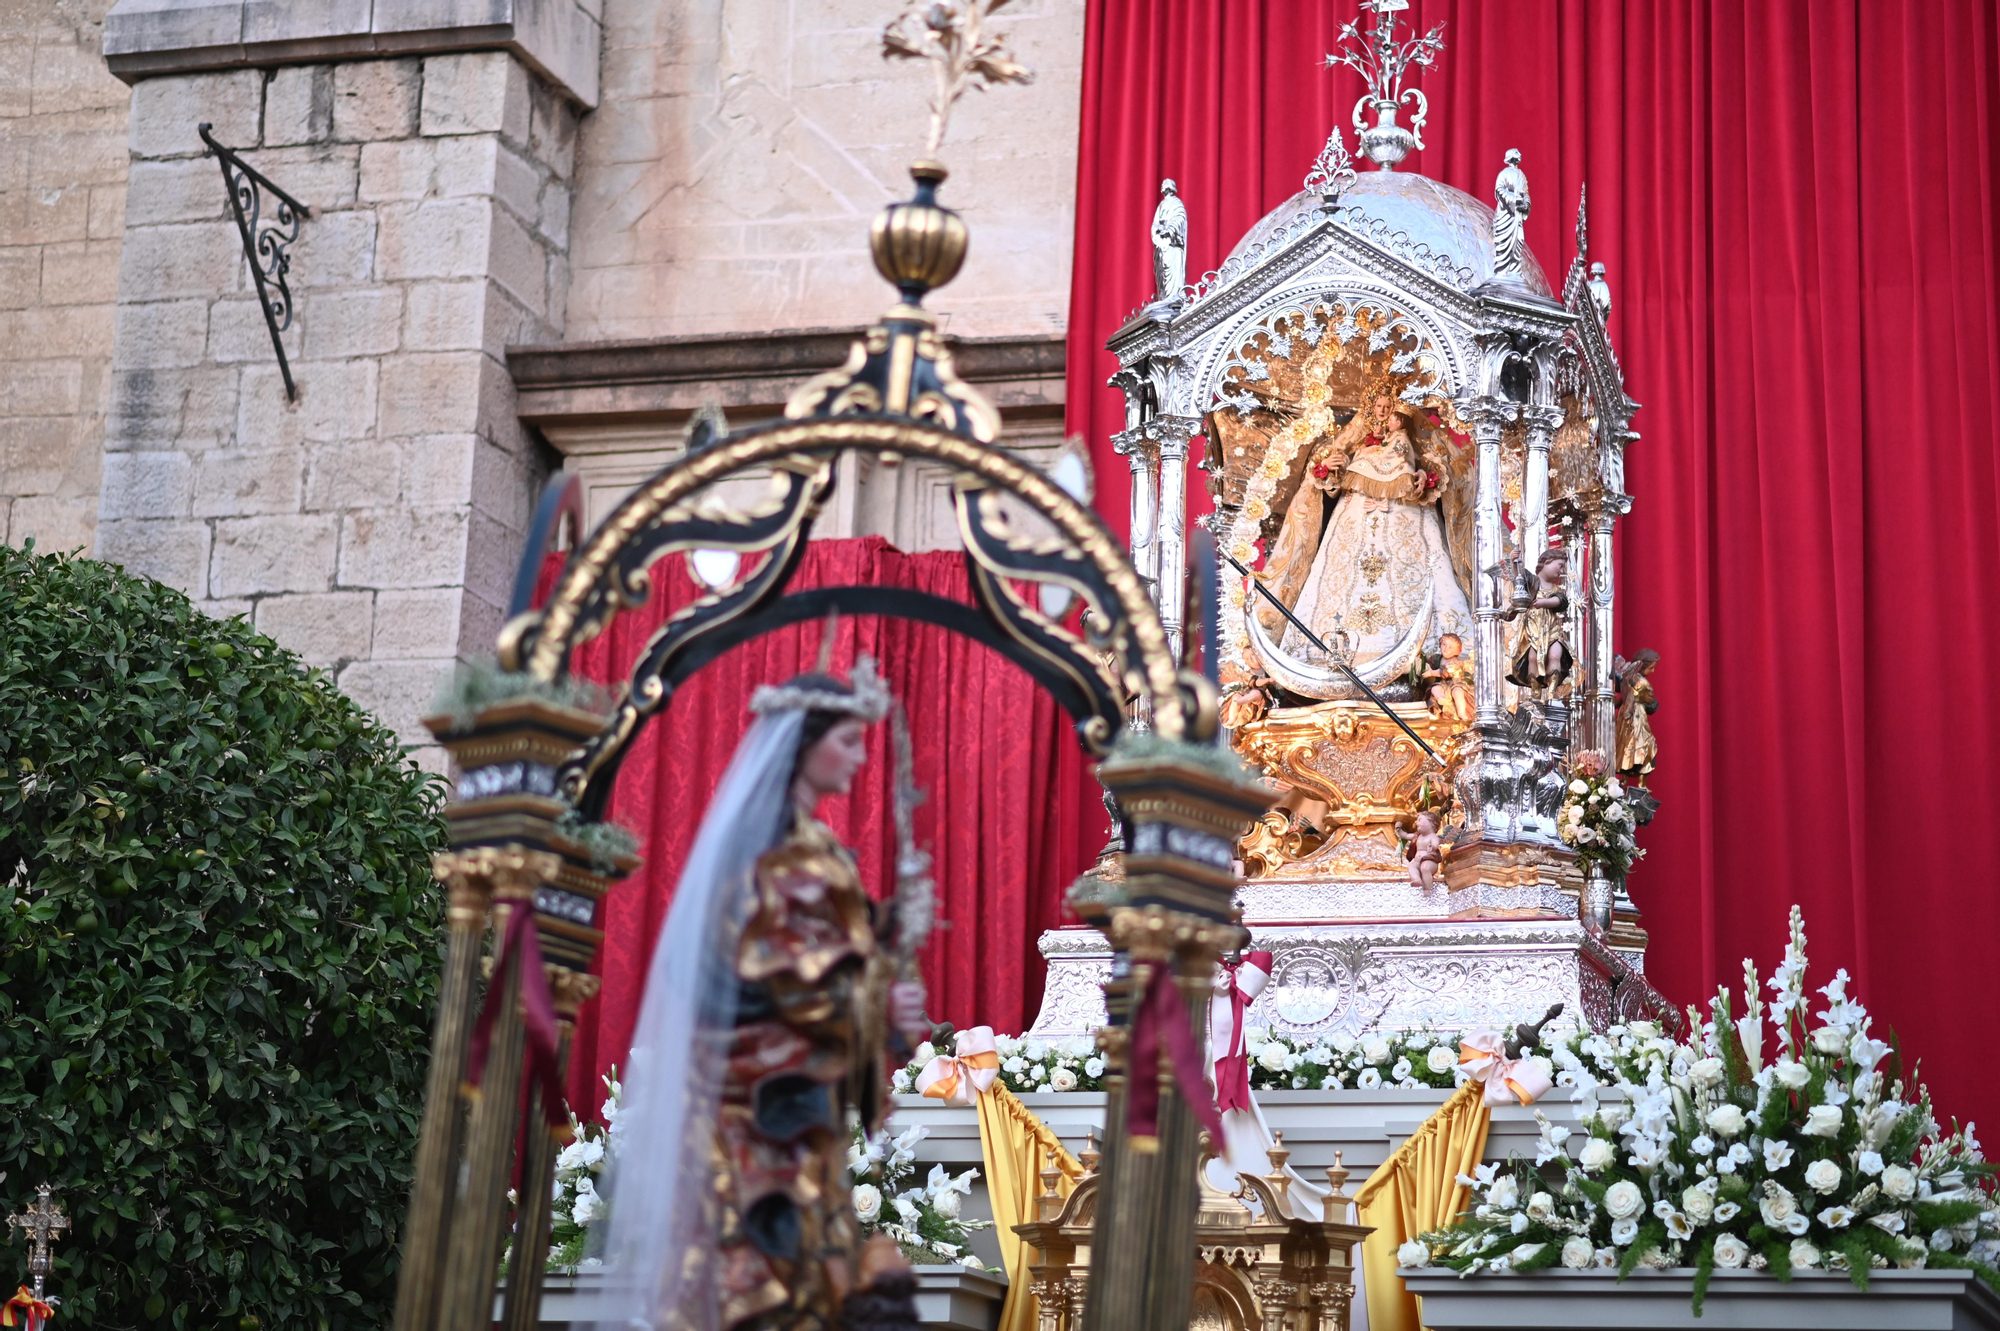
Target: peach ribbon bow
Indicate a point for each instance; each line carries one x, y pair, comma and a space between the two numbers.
1484, 1057
963, 1079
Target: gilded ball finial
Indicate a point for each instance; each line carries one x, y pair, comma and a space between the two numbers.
919, 245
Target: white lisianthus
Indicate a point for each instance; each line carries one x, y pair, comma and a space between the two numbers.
1740, 1153
1376, 1049
1401, 1072
1803, 1254
900, 1082
1777, 1154
1272, 1057
1700, 1207
1369, 1079
1836, 1217
1702, 1145
1624, 1231
1822, 1121
1093, 1067
1822, 1176
1830, 1040
1623, 1200
1791, 1075
1679, 1226
867, 1202
1726, 1212
1869, 1162
1577, 1252
1707, 1072
1015, 1065
1062, 1079
1726, 1120
1889, 1222
1597, 1155
1542, 1208
1041, 1072
926, 1052
1007, 1045
1898, 1183
1412, 1254
1730, 1251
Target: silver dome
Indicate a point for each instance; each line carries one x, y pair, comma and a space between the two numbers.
1447, 221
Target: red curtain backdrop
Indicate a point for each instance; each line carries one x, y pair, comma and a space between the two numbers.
1796, 205
1008, 821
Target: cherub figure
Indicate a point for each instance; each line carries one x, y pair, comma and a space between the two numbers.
1542, 659
1245, 703
1636, 748
1447, 679
1424, 849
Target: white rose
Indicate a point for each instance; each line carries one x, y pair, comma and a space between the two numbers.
1624, 1231
1778, 1208
1401, 1072
1062, 1079
1577, 787
1830, 1040
1272, 1057
1698, 1205
1015, 1065
1725, 1120
1343, 1042
1803, 1254
1505, 1194
1623, 1200
1777, 1155
1823, 1121
867, 1202
1542, 1208
1869, 1162
1375, 1049
1644, 1030
1791, 1075
1707, 1072
1577, 1253
1368, 1080
1822, 1176
1597, 1155
588, 1207
946, 1203
1412, 1254
1898, 1183
1730, 1251
926, 1052
1440, 1059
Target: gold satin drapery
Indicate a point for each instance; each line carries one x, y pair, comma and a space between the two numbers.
1015, 1143
1415, 1190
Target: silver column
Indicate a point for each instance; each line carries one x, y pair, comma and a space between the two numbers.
1542, 423
1171, 435
1602, 704
1144, 458
1487, 416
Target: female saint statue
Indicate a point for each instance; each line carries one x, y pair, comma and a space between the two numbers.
1378, 576
1170, 225
770, 1005
1510, 219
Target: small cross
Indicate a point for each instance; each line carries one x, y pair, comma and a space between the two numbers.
42, 1222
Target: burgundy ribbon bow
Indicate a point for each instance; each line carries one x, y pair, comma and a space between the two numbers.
1161, 1016
1232, 1062
539, 1008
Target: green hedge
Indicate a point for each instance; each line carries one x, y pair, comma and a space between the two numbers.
218, 960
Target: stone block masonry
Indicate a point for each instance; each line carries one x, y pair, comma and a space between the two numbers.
371, 524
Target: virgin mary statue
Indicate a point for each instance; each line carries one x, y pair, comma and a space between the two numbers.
771, 1003
1377, 578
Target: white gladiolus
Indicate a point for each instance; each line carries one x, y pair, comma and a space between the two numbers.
867, 1202
1623, 1200
1822, 1176
1577, 1253
1505, 1194
1412, 1254
946, 1204
1777, 1155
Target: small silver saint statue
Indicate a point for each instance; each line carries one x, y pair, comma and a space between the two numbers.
1600, 291
1170, 224
1510, 220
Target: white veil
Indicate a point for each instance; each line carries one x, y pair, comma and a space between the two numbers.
660, 1177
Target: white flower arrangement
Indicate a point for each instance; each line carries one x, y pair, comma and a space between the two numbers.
1028, 1065
924, 1220
1821, 1158
1597, 820
577, 1206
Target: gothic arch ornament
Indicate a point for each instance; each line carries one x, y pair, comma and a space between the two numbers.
1122, 653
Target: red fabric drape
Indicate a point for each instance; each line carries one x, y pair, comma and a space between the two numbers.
1008, 820
1795, 200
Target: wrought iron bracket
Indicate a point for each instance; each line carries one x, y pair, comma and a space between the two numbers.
265, 242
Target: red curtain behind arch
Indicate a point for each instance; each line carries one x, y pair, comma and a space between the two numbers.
1008, 821
1796, 205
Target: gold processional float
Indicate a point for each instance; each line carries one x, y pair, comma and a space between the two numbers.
1388, 293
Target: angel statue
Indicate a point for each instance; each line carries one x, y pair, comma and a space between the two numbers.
1636, 747
773, 997
1510, 219
1381, 576
1170, 226
1541, 658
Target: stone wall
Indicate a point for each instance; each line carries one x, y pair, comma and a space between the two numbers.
372, 524
727, 180
62, 210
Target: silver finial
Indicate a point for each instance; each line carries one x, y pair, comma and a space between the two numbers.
1582, 226
1382, 61
1333, 170
1170, 226
1510, 220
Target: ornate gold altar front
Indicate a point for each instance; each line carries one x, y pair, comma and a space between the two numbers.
1259, 1265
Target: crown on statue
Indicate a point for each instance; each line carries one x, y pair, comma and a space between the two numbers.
870, 699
